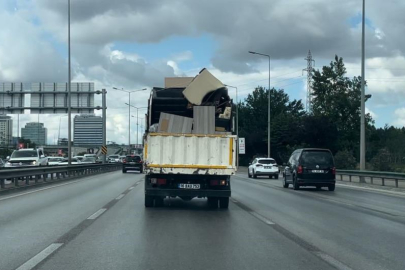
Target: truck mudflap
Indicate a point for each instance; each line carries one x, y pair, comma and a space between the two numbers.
187, 193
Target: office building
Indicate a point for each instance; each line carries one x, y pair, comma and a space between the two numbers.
6, 130
88, 130
35, 132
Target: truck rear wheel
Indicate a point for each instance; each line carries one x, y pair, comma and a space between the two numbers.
159, 201
212, 202
148, 201
224, 202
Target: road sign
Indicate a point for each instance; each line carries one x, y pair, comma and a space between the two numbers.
241, 146
104, 150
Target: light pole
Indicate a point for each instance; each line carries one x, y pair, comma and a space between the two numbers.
129, 110
137, 108
69, 94
237, 125
363, 108
268, 120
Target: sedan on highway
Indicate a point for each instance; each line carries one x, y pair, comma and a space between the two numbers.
74, 161
263, 166
52, 161
89, 160
310, 167
132, 162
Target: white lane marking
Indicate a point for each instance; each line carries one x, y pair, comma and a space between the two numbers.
131, 188
97, 214
265, 220
120, 197
339, 265
34, 261
38, 190
401, 194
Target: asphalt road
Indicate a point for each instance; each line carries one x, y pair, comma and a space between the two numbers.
100, 223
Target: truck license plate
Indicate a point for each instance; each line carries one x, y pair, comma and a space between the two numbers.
317, 171
189, 186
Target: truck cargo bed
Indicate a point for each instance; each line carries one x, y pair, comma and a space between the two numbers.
166, 153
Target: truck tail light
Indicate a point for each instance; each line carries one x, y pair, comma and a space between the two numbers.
333, 170
124, 161
214, 182
222, 182
299, 169
161, 181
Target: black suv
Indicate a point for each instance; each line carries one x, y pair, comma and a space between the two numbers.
310, 167
132, 162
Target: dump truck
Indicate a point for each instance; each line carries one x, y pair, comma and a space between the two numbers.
189, 145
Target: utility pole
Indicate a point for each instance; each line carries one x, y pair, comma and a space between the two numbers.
309, 71
69, 94
104, 113
362, 119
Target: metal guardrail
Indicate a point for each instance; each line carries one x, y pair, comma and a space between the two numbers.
372, 175
51, 173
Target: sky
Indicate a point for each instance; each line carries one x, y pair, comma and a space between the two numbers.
134, 44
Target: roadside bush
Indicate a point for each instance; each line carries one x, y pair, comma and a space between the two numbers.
345, 160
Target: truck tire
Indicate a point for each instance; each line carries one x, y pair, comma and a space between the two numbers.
148, 201
331, 187
224, 202
124, 171
159, 202
276, 176
296, 186
285, 184
212, 202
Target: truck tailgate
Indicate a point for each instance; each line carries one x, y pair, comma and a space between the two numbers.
190, 154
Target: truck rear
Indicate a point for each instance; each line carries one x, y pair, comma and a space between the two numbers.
189, 166
189, 149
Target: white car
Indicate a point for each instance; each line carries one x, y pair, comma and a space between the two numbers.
27, 157
113, 158
52, 161
74, 161
88, 160
263, 166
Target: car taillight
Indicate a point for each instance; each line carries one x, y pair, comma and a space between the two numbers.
124, 161
333, 170
141, 161
161, 181
299, 169
214, 182
259, 165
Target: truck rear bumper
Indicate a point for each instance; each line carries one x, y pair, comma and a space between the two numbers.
188, 193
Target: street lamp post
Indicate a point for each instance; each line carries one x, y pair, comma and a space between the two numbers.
268, 120
69, 94
129, 110
237, 125
137, 108
363, 110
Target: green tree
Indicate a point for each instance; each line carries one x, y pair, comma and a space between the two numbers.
345, 160
285, 115
382, 161
338, 98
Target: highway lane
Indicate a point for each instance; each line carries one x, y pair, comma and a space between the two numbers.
362, 229
28, 223
266, 227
